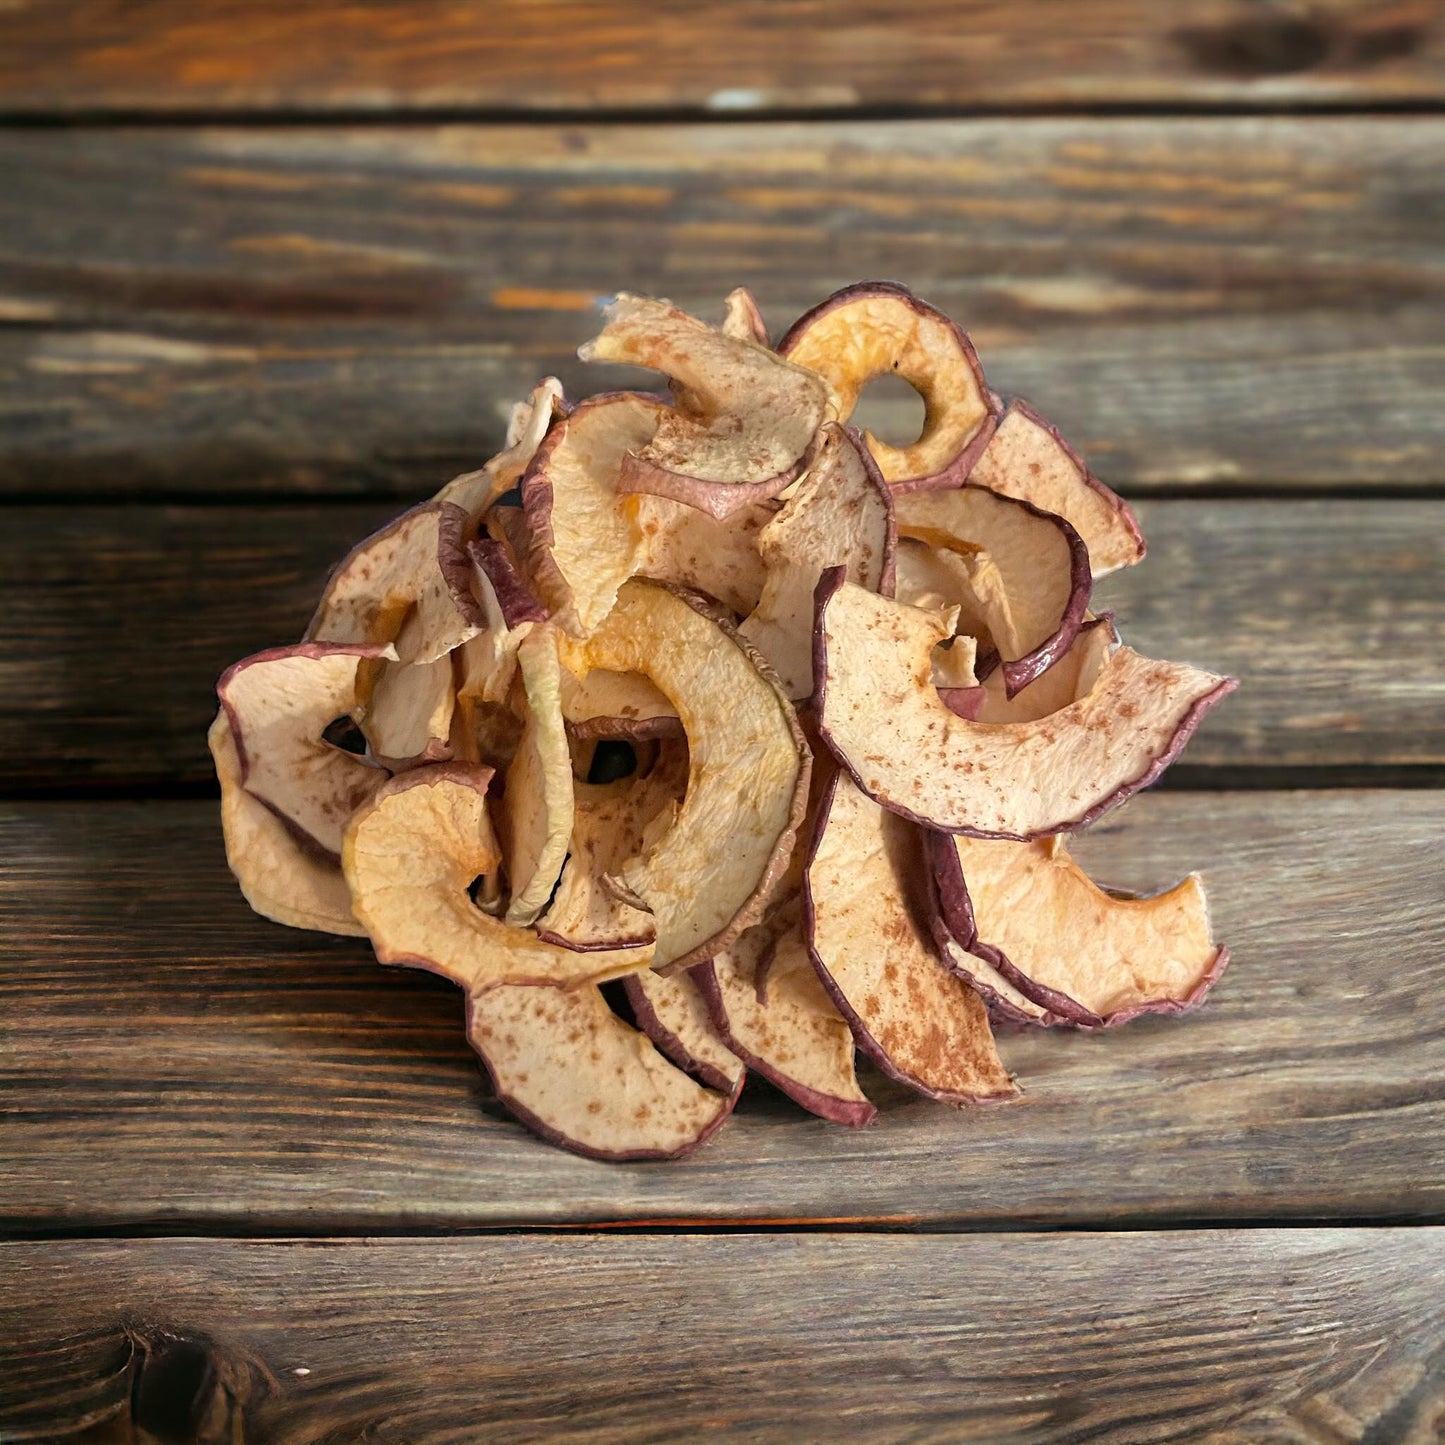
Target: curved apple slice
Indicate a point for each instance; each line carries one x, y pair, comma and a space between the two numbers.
407, 717
744, 418
741, 318
607, 704
1082, 955
537, 804
866, 910
573, 1072
1035, 599
411, 857
673, 1013
766, 1002
710, 875
583, 541
279, 878
475, 492
840, 515
693, 549
879, 328
1071, 678
413, 574
880, 714
1028, 459
279, 704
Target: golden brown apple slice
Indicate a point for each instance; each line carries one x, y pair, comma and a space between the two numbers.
878, 328
708, 877
1028, 459
279, 878
1082, 955
673, 1013
840, 515
743, 418
882, 717
866, 915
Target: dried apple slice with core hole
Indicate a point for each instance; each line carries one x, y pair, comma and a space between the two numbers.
882, 717
1034, 598
866, 912
1084, 956
1028, 459
279, 704
708, 877
411, 857
743, 419
537, 805
877, 328
766, 1002
673, 1013
741, 318
840, 515
279, 878
573, 1072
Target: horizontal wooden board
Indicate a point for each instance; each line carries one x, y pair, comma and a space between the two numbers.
1300, 1335
68, 56
115, 623
171, 1060
1232, 302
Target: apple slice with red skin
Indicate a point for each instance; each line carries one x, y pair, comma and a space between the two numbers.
279, 877
673, 1013
1027, 458
840, 515
743, 418
866, 908
1071, 678
878, 328
1082, 955
767, 1004
883, 719
279, 704
606, 704
1042, 570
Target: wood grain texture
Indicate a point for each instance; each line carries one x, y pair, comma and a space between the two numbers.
73, 56
172, 1061
116, 622
1231, 302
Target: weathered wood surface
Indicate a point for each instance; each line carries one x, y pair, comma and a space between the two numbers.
1230, 301
74, 56
1261, 1335
115, 623
170, 1060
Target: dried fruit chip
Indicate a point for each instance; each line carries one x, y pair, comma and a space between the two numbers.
1071, 678
840, 515
744, 418
673, 1013
877, 328
741, 318
882, 717
866, 909
1083, 956
607, 704
715, 556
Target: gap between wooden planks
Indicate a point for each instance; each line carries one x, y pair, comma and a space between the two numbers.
1224, 303
174, 1062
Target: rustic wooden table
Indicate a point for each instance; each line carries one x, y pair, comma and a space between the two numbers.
268, 271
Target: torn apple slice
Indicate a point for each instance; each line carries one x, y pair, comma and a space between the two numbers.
882, 717
1035, 596
617, 705
475, 492
414, 573
537, 804
743, 418
840, 515
690, 548
1072, 677
574, 1073
866, 915
766, 1002
1082, 955
279, 878
279, 704
1028, 459
583, 540
412, 856
878, 328
708, 877
741, 318
673, 1013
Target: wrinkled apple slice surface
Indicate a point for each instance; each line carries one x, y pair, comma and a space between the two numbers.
866, 914
882, 717
673, 1013
877, 328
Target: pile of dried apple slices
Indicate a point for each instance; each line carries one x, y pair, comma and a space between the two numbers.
696, 733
